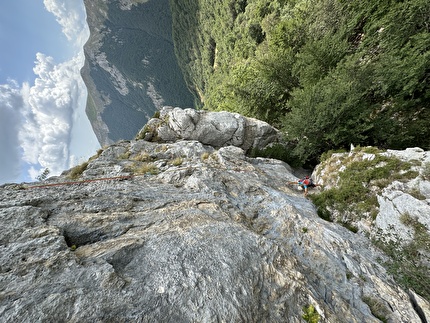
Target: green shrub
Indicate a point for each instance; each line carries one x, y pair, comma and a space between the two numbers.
322, 203
97, 155
156, 114
125, 155
310, 314
355, 189
368, 150
426, 171
415, 192
145, 131
326, 155
350, 227
276, 151
406, 262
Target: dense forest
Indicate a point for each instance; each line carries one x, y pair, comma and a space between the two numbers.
327, 72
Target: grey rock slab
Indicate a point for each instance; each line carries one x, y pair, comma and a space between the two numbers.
217, 129
220, 238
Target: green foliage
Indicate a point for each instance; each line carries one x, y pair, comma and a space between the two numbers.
125, 155
355, 194
357, 182
415, 192
310, 314
326, 155
276, 151
426, 171
350, 227
156, 114
329, 73
98, 153
408, 262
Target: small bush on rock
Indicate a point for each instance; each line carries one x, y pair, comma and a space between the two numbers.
77, 171
426, 171
125, 155
408, 262
357, 182
276, 151
97, 155
310, 314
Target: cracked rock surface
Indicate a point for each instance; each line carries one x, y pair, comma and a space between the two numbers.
209, 235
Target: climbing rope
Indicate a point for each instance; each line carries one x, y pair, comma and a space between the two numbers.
83, 181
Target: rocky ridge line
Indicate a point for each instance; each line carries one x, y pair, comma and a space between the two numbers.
196, 233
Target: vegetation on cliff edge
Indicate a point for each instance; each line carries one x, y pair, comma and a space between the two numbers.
328, 72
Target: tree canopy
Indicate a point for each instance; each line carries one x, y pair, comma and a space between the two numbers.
327, 72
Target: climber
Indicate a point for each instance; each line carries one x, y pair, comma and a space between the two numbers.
305, 182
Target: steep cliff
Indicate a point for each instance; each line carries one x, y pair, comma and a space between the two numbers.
328, 72
174, 230
385, 195
130, 68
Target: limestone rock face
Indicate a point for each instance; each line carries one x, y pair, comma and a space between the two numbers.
184, 232
217, 129
384, 195
409, 196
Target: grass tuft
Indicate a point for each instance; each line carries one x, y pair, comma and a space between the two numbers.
145, 168
77, 171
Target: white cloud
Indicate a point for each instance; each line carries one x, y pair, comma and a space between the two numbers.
11, 104
69, 14
45, 135
43, 125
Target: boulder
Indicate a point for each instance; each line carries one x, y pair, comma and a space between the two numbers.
217, 129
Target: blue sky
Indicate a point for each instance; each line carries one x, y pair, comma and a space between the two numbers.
26, 28
42, 96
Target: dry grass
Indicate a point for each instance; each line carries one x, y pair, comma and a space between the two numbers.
145, 168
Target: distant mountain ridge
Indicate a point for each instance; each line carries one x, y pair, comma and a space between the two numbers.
130, 67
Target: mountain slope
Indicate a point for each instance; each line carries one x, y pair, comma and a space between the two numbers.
181, 232
130, 69
329, 73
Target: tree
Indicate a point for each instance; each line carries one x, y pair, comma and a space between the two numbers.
43, 175
328, 72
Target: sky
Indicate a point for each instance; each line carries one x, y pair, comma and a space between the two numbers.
42, 95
